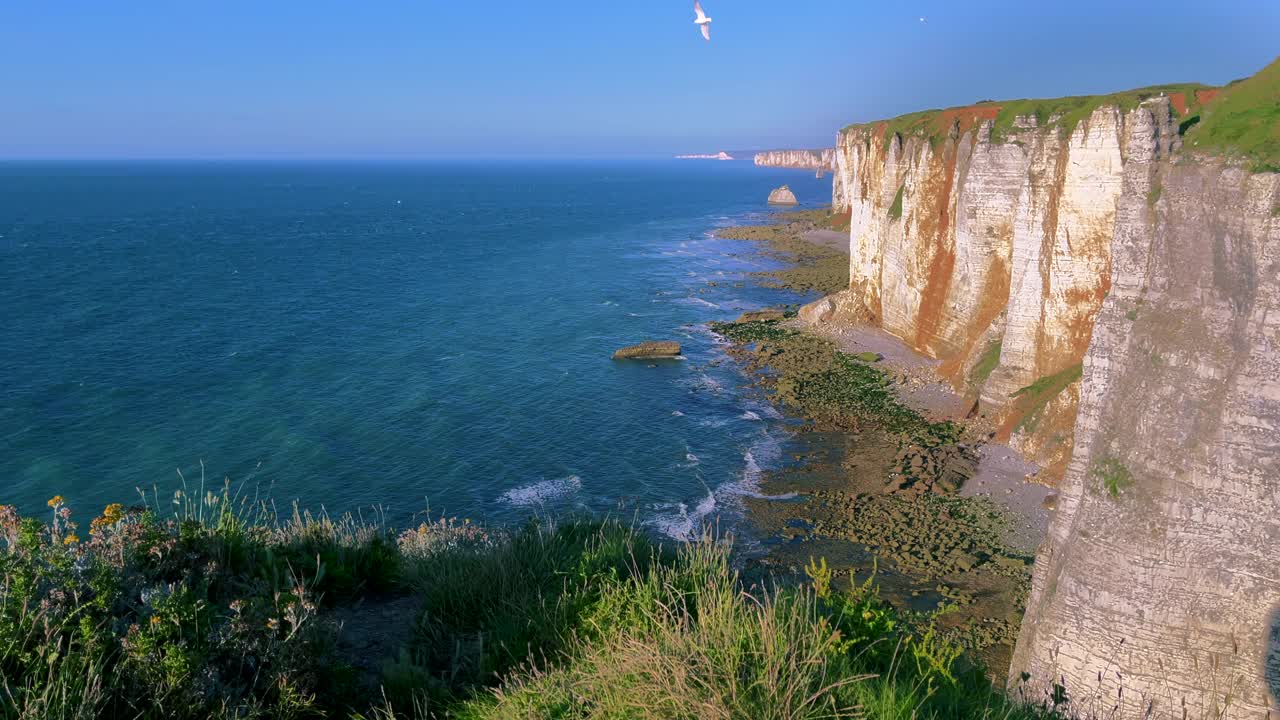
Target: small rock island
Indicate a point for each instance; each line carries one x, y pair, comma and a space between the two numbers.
783, 196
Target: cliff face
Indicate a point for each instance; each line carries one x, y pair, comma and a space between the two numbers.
800, 159
995, 256
1159, 585
1113, 300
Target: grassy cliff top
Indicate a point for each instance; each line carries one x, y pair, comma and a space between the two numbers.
1242, 119
1065, 112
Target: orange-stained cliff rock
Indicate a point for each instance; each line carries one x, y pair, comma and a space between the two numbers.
976, 249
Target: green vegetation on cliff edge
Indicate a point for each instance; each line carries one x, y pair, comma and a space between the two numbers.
1241, 120
1064, 113
1244, 120
218, 611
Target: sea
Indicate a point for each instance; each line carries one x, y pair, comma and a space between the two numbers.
412, 339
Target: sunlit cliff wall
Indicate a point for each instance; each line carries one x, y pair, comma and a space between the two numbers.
1112, 300
994, 255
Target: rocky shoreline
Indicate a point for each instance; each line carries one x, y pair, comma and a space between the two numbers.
890, 476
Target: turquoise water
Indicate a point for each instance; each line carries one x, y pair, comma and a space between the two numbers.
429, 337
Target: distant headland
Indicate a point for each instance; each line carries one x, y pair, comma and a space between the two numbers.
722, 155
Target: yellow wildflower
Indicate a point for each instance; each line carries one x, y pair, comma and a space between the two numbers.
273, 624
155, 620
70, 539
113, 513
56, 500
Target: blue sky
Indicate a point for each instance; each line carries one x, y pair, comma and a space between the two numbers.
425, 78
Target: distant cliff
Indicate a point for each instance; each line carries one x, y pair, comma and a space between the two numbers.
817, 160
722, 155
1102, 276
824, 160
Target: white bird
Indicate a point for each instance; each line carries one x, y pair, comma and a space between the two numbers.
703, 20
924, 20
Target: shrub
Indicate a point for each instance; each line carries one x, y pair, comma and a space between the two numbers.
199, 615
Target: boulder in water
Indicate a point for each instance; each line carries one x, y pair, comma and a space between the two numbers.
783, 196
649, 350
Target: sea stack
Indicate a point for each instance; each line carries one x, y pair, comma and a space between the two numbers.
783, 196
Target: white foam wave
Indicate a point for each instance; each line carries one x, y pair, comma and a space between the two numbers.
705, 382
678, 522
765, 451
540, 492
677, 413
699, 301
749, 415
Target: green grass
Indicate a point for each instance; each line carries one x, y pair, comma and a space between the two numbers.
1065, 113
986, 364
1032, 399
687, 639
1113, 475
221, 610
1244, 121
895, 210
1153, 196
1068, 112
923, 123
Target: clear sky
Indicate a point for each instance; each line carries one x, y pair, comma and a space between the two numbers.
426, 78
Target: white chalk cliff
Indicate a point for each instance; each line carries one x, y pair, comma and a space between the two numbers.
1112, 300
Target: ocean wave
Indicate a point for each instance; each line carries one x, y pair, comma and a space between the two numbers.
764, 452
677, 413
540, 493
705, 382
762, 410
700, 301
678, 522
749, 415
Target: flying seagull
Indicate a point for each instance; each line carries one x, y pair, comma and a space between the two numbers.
703, 20
924, 20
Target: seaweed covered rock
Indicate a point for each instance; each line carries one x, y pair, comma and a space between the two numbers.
649, 350
769, 315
